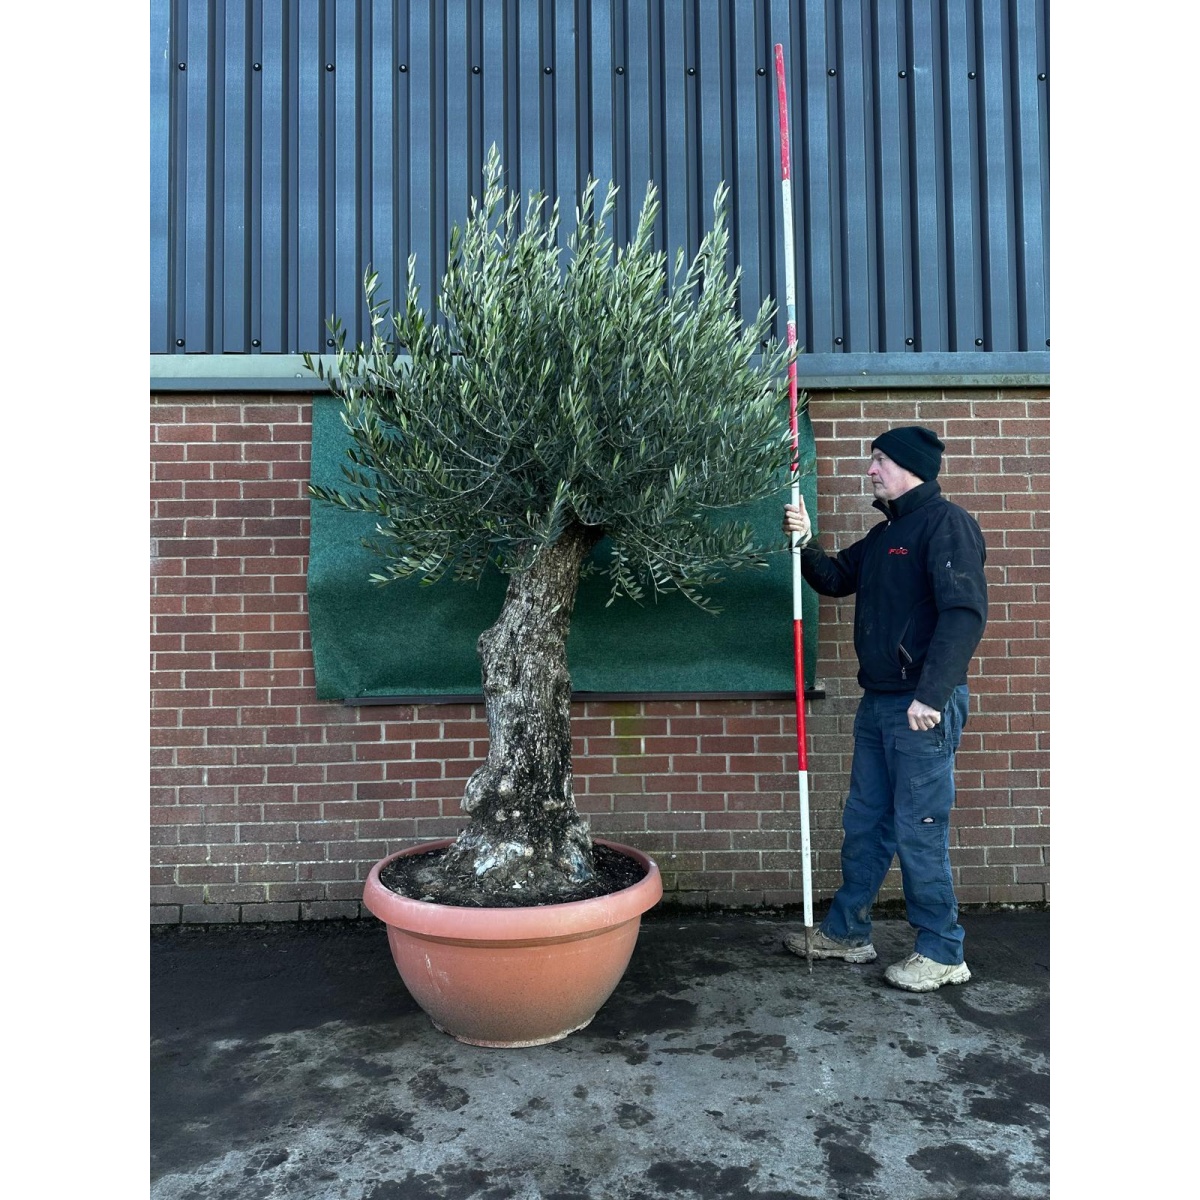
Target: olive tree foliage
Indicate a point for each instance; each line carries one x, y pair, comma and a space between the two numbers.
588, 393
564, 397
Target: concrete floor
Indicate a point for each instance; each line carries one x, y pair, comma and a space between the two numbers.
290, 1062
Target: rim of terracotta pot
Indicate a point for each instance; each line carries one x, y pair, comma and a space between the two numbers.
519, 924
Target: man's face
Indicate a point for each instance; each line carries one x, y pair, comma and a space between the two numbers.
889, 480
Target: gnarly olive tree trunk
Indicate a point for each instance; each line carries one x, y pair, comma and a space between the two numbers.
524, 833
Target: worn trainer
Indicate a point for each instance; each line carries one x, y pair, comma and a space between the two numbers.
827, 947
920, 974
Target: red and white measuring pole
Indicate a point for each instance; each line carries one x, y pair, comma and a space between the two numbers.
789, 256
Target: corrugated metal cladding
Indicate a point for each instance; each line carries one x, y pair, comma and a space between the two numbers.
295, 143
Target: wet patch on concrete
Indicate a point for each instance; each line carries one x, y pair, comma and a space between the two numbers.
990, 997
926, 1111
363, 1068
659, 1013
671, 956
634, 1053
450, 1183
403, 1124
829, 1025
845, 1159
699, 1050
631, 1116
911, 1048
317, 958
747, 1044
962, 1165
710, 1181
1019, 1094
429, 1087
1039, 1172
216, 1099
1000, 1110
1012, 1016
534, 1107
709, 968
848, 1164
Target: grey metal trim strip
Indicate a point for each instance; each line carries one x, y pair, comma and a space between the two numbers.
233, 373
287, 373
1016, 368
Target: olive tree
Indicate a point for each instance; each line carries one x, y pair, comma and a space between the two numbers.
564, 397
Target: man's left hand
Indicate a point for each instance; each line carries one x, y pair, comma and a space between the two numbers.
921, 717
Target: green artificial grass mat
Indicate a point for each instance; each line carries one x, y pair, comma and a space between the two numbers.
408, 639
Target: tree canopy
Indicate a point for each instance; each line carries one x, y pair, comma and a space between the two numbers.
595, 391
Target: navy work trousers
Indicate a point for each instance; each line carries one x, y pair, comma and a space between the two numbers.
901, 794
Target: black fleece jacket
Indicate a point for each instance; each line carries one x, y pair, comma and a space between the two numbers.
920, 595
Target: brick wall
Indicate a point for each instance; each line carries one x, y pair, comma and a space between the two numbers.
268, 805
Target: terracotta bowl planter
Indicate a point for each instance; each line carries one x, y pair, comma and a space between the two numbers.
512, 976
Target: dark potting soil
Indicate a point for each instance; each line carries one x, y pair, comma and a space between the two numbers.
614, 872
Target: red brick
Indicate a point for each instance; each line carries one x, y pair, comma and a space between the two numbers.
696, 801
1019, 855
1031, 835
1015, 894
243, 519
732, 821
985, 836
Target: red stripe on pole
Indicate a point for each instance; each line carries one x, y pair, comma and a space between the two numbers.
781, 88
801, 739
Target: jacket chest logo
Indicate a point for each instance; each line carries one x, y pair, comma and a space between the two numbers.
897, 550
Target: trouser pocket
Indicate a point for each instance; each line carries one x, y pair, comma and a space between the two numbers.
923, 821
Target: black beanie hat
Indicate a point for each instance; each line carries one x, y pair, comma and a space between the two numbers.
913, 447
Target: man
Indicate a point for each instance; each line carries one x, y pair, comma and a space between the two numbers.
920, 610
